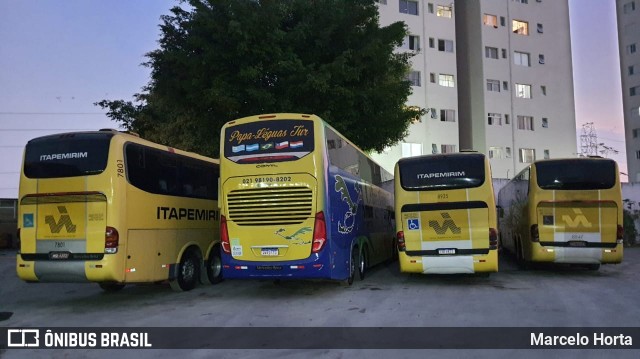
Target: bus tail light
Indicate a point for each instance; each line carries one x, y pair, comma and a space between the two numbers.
401, 245
224, 235
535, 235
493, 238
111, 240
620, 234
319, 233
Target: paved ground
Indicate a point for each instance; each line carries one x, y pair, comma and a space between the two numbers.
549, 297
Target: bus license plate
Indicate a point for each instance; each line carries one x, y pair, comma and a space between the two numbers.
59, 255
577, 244
269, 252
447, 251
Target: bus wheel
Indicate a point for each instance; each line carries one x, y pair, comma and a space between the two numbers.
363, 263
593, 266
352, 267
111, 286
187, 272
214, 266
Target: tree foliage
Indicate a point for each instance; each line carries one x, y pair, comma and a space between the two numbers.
219, 60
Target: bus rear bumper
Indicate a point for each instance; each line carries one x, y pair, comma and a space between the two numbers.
65, 271
314, 267
576, 255
454, 264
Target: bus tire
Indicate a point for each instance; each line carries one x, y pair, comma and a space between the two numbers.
363, 263
214, 265
352, 266
111, 287
188, 272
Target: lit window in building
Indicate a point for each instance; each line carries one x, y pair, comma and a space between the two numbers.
520, 27
446, 80
411, 149
523, 91
444, 11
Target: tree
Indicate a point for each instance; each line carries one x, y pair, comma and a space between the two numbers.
223, 59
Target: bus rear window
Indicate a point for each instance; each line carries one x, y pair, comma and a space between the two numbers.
576, 174
438, 172
269, 141
67, 155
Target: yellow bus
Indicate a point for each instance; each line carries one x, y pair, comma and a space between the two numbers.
563, 211
112, 208
300, 201
446, 214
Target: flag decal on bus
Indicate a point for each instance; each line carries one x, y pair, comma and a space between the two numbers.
253, 147
281, 145
296, 144
236, 149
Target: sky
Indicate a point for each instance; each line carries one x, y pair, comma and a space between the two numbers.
57, 58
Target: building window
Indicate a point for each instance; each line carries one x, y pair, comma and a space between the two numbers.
503, 21
543, 89
546, 154
411, 42
505, 85
634, 91
448, 115
433, 112
414, 78
525, 123
494, 119
520, 27
447, 148
638, 155
446, 80
523, 91
445, 45
522, 1
490, 52
541, 59
490, 20
631, 70
635, 132
506, 120
383, 2
545, 122
527, 155
540, 28
507, 152
631, 49
432, 77
495, 152
411, 149
443, 11
430, 8
504, 53
521, 58
409, 7
431, 42
629, 7
493, 85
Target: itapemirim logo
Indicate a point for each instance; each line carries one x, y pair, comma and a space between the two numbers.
580, 219
64, 221
447, 224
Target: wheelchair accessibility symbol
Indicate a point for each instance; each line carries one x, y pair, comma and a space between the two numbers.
413, 224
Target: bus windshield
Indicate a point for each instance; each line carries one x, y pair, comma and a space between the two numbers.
67, 155
442, 171
269, 141
578, 174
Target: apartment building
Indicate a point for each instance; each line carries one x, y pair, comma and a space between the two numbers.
628, 13
496, 76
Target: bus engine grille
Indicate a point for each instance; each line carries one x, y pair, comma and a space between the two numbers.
270, 206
